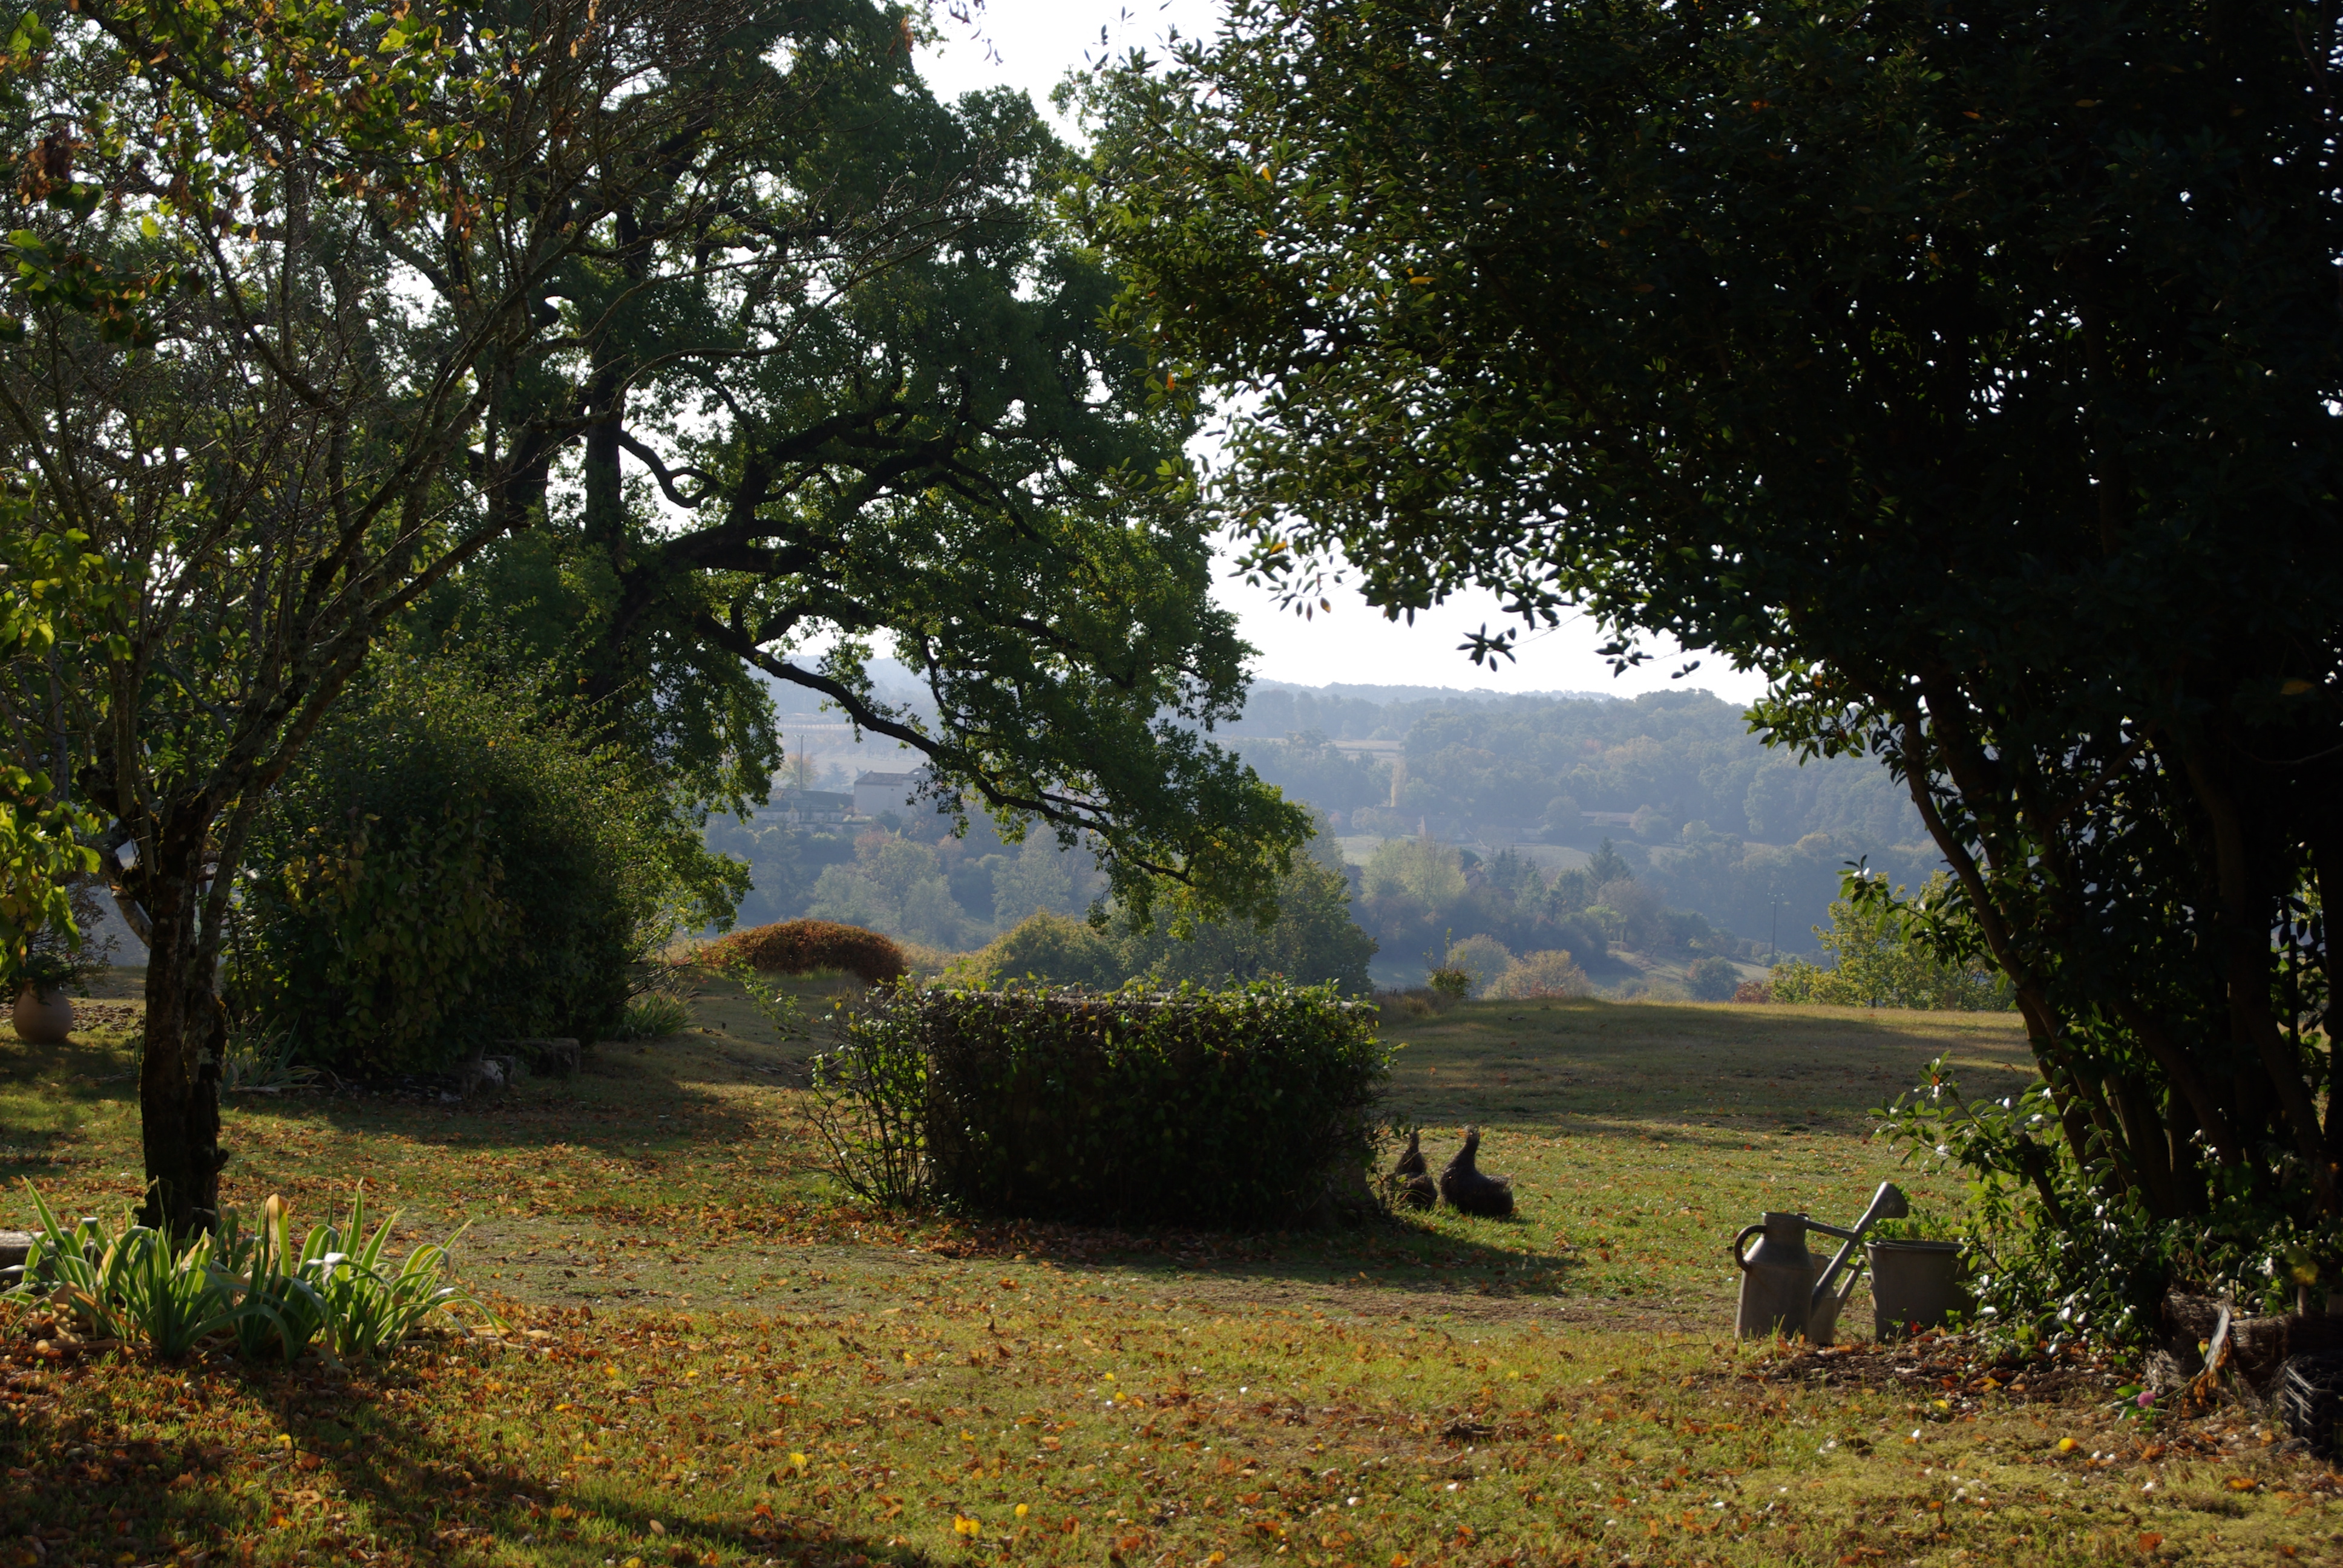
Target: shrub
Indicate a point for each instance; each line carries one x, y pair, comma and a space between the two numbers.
1483, 959
1536, 975
1313, 940
1711, 978
1043, 947
1877, 962
1138, 1106
1752, 990
451, 866
796, 947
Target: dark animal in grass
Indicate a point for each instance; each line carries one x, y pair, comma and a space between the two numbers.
1411, 1183
1464, 1184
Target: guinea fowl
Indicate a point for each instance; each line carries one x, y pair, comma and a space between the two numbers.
1464, 1184
1410, 1182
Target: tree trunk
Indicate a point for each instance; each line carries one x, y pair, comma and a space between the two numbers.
186, 1035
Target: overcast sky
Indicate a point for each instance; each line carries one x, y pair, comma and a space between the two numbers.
1033, 45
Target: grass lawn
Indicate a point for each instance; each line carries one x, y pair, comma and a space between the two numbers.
705, 1358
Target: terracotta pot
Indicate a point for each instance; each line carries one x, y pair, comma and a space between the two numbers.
43, 1019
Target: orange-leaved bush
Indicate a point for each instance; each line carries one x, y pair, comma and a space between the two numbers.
793, 947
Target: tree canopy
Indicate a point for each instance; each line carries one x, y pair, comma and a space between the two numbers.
317, 306
1975, 374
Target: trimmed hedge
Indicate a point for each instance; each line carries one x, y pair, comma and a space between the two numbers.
793, 947
1136, 1105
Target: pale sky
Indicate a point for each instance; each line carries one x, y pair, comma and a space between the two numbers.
1033, 45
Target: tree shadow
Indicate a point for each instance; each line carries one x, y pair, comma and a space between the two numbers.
352, 1474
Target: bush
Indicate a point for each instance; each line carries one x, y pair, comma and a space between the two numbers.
1877, 962
1313, 940
1138, 1106
1046, 947
1541, 975
1752, 990
1713, 979
451, 866
1483, 959
796, 947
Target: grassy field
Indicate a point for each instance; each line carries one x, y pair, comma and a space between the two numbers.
702, 1357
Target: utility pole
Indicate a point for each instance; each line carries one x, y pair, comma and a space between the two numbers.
1772, 929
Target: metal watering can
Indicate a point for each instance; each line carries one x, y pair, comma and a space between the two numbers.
1786, 1289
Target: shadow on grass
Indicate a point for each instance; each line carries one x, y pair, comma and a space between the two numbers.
50, 1093
349, 1472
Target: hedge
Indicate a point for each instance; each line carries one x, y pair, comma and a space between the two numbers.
1137, 1105
793, 947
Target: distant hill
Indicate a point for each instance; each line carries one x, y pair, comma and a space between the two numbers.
1704, 814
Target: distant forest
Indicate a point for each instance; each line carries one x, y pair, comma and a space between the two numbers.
1498, 797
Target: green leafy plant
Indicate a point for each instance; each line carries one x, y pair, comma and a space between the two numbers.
1711, 978
1879, 959
260, 1060
134, 1286
270, 1298
655, 1015
1138, 1105
870, 1105
452, 865
1445, 975
283, 1309
2054, 1258
370, 1307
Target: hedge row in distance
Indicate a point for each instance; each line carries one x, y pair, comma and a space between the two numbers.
794, 946
1137, 1105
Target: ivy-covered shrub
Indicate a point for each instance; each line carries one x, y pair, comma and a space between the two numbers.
451, 866
796, 947
1138, 1106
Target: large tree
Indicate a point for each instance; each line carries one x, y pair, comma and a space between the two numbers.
839, 384
314, 302
1973, 373
224, 386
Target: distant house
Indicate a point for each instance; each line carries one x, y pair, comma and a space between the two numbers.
803, 806
877, 792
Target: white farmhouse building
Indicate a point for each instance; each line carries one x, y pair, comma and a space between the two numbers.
877, 792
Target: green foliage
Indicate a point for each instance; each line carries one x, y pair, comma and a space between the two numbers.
1420, 868
1877, 962
261, 1060
895, 884
1975, 382
1539, 975
892, 453
653, 1016
1482, 960
1712, 980
1048, 950
1138, 1106
450, 867
54, 591
270, 1299
1312, 940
